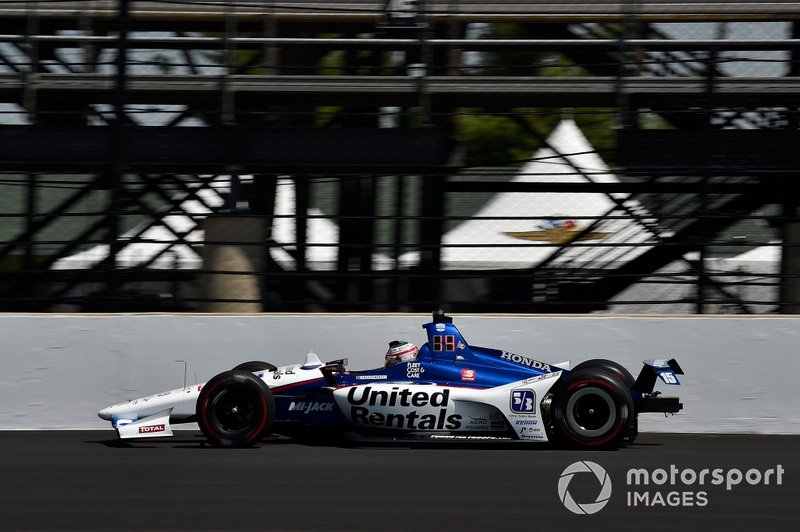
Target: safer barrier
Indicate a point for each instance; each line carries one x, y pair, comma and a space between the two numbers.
56, 371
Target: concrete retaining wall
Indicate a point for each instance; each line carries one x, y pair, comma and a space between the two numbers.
56, 371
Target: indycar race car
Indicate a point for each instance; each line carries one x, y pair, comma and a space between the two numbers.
451, 391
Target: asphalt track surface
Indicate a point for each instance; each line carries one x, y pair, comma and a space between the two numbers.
88, 480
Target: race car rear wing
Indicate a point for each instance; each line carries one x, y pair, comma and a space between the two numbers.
667, 371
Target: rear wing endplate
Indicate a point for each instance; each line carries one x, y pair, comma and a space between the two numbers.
666, 370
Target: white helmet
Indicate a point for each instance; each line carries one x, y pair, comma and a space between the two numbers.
400, 352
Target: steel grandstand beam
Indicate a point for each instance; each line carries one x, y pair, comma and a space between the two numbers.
195, 42
210, 149
393, 90
463, 11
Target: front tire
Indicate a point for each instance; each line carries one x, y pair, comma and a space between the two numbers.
592, 409
256, 365
235, 409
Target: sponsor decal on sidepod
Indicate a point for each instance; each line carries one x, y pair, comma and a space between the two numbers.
361, 399
468, 375
310, 406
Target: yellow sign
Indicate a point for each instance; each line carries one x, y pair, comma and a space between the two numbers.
557, 232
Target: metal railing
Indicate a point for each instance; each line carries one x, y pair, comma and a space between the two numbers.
131, 128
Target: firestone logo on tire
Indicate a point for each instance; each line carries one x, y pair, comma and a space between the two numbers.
590, 507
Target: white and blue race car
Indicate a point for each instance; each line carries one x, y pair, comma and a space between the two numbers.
452, 392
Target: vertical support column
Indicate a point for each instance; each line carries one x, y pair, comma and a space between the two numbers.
30, 230
260, 195
29, 259
629, 64
228, 103
399, 221
367, 237
792, 118
455, 31
270, 52
426, 31
121, 61
117, 137
301, 201
702, 282
31, 74
709, 148
789, 293
430, 238
233, 263
400, 213
356, 236
89, 49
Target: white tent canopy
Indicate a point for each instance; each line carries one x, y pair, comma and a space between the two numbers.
770, 253
567, 158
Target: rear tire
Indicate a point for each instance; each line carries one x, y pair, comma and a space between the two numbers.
628, 380
592, 409
255, 365
235, 409
609, 365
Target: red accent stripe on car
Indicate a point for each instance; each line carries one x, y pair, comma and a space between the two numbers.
294, 385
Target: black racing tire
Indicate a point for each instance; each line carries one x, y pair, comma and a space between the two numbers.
235, 409
592, 409
618, 370
255, 365
609, 365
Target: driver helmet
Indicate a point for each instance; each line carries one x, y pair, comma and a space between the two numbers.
400, 351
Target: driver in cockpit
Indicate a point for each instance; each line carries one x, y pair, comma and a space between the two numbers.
401, 351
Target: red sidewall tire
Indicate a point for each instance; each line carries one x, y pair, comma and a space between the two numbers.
592, 409
235, 409
616, 369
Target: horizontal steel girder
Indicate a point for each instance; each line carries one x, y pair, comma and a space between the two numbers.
233, 149
464, 10
254, 92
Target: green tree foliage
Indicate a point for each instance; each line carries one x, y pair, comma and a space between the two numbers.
496, 140
493, 139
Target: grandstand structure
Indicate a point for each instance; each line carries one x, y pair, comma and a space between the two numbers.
295, 155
